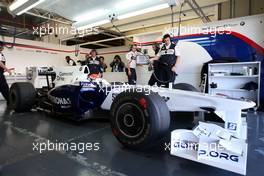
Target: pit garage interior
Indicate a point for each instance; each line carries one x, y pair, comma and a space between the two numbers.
221, 46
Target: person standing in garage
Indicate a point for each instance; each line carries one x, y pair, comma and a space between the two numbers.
4, 89
131, 66
156, 48
70, 61
165, 63
94, 64
117, 64
103, 64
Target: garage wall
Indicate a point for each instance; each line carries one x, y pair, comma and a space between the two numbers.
27, 53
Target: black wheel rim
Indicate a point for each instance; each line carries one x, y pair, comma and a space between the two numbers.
130, 120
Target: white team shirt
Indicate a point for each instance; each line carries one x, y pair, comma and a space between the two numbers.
176, 49
94, 61
131, 57
70, 63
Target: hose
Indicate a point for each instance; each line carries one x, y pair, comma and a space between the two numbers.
179, 26
77, 49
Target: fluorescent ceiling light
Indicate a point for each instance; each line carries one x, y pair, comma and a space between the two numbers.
93, 25
21, 6
91, 15
143, 11
17, 4
125, 4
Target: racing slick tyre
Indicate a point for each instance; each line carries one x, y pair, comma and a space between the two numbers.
185, 86
139, 118
22, 96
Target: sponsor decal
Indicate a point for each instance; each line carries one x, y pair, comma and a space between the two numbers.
220, 155
87, 84
60, 100
65, 73
231, 126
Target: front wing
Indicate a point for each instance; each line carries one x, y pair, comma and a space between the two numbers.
231, 153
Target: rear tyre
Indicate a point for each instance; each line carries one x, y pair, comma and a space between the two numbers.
139, 119
22, 96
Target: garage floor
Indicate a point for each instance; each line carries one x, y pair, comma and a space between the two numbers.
18, 132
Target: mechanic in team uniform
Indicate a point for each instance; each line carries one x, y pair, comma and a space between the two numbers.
165, 63
4, 89
103, 64
70, 61
132, 64
94, 64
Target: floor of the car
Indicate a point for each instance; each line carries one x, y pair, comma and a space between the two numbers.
20, 132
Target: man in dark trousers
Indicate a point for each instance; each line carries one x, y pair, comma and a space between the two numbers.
165, 63
4, 89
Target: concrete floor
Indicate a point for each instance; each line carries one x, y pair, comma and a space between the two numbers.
18, 132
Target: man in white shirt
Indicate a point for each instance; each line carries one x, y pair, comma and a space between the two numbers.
4, 88
132, 64
165, 63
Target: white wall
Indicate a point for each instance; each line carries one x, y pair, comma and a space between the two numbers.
31, 53
28, 53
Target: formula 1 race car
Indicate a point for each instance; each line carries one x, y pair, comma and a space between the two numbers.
139, 114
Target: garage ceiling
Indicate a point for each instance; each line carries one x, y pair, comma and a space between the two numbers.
91, 11
83, 12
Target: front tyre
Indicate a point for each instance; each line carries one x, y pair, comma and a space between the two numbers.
139, 119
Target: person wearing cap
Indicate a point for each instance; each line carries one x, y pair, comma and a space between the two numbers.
4, 88
94, 64
166, 62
